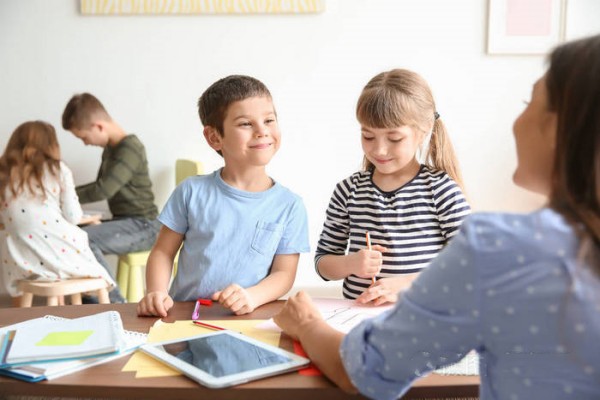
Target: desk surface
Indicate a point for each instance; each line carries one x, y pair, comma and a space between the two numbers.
107, 380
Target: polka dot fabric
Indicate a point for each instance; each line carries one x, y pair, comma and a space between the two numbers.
508, 286
41, 239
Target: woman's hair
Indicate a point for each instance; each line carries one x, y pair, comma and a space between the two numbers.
401, 97
32, 147
573, 85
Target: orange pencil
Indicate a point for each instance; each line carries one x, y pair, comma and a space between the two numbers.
369, 247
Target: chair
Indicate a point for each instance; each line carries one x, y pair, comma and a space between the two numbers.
130, 267
186, 168
55, 291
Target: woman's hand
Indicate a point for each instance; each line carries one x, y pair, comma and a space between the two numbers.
301, 320
298, 313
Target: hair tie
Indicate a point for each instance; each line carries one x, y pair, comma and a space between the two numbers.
436, 115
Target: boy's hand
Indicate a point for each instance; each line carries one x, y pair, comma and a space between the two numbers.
155, 304
298, 313
236, 298
366, 263
384, 291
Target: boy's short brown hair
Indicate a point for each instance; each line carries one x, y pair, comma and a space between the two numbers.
213, 104
80, 110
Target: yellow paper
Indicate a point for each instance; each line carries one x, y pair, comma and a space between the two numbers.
145, 366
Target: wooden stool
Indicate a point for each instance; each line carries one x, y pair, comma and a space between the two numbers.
56, 290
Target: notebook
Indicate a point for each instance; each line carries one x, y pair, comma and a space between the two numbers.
43, 339
52, 370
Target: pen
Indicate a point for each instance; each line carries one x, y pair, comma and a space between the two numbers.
369, 247
200, 302
205, 325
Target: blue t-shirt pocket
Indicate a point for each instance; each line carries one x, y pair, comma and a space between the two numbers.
266, 237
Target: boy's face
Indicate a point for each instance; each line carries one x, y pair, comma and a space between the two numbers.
251, 134
95, 135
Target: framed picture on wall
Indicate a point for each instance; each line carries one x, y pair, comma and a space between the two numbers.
524, 26
172, 7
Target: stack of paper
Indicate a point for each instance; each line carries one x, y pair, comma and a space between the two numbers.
49, 347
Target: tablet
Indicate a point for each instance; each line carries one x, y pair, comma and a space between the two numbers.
224, 358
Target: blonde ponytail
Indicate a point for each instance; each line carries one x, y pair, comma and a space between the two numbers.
440, 154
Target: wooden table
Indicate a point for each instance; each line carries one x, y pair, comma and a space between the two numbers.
107, 380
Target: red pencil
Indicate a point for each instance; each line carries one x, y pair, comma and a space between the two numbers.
204, 324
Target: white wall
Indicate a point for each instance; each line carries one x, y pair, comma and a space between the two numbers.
150, 70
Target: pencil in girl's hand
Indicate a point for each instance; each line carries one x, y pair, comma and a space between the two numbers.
369, 247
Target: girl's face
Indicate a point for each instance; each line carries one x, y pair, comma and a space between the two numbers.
392, 151
535, 138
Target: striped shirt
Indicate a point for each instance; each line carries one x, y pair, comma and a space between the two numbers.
413, 222
123, 181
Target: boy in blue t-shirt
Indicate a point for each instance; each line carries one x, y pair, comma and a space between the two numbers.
242, 232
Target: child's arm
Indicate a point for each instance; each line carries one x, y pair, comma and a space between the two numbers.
301, 320
364, 263
276, 284
119, 170
69, 203
157, 301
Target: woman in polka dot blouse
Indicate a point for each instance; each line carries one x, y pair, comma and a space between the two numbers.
39, 210
520, 289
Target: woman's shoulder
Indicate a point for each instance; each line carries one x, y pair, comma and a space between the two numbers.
540, 229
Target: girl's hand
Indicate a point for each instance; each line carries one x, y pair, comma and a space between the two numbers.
236, 298
384, 291
297, 313
366, 263
155, 304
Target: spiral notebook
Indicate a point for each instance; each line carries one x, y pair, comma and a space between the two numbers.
52, 370
54, 340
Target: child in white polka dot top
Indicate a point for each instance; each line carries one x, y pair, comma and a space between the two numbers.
39, 211
522, 290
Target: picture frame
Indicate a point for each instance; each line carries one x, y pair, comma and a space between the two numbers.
199, 7
525, 27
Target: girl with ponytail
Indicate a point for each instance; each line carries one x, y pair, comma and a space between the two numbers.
408, 197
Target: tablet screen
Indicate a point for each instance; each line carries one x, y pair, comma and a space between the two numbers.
222, 355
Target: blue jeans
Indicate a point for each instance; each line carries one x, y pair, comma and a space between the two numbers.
120, 236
